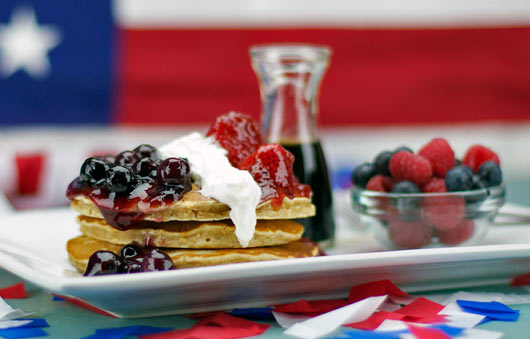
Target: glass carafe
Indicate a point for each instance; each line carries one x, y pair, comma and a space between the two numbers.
289, 78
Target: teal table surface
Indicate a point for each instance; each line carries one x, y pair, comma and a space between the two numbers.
69, 321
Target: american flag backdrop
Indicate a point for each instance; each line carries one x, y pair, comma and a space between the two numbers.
77, 78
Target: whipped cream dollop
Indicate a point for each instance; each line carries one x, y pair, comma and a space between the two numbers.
219, 180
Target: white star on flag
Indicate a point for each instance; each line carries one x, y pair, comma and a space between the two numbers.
24, 45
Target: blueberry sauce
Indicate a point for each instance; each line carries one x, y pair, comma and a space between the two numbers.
131, 259
135, 178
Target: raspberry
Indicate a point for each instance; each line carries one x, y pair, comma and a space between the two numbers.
478, 154
380, 183
440, 155
237, 133
411, 167
435, 185
458, 234
409, 234
271, 166
443, 212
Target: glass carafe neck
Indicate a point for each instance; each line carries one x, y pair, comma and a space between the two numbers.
289, 78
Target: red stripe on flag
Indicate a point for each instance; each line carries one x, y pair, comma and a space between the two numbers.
29, 172
377, 76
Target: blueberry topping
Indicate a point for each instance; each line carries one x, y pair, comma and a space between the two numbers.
147, 151
104, 262
94, 170
381, 163
120, 179
156, 260
459, 178
126, 158
405, 187
133, 266
174, 171
146, 168
490, 173
362, 174
131, 251
403, 148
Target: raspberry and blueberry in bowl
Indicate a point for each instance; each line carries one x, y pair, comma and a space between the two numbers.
410, 200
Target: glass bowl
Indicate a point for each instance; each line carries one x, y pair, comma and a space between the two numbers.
406, 221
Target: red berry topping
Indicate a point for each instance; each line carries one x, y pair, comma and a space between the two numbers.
411, 167
380, 183
237, 133
435, 185
458, 234
271, 166
440, 155
409, 234
478, 154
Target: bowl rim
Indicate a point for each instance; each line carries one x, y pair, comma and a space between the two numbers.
493, 191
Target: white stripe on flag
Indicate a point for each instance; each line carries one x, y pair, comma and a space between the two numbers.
317, 13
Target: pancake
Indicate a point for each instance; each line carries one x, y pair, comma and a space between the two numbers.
192, 234
80, 248
195, 207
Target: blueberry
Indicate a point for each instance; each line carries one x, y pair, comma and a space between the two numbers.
477, 183
174, 171
403, 148
381, 163
94, 170
362, 174
405, 187
459, 178
490, 173
120, 179
131, 251
104, 262
126, 158
156, 260
407, 206
147, 151
146, 168
133, 266
458, 162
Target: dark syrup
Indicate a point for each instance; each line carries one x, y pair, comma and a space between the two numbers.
310, 168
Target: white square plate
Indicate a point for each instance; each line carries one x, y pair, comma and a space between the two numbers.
32, 246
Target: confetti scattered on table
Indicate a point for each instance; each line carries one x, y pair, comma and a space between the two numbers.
263, 313
15, 291
122, 332
379, 288
492, 310
220, 325
328, 322
25, 332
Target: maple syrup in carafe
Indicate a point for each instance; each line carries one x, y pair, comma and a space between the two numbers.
289, 78
310, 168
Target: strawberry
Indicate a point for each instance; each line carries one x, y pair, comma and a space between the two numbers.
271, 166
237, 133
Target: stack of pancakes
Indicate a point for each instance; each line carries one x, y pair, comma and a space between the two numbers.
197, 231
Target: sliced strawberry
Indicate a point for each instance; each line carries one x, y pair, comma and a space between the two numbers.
271, 166
237, 133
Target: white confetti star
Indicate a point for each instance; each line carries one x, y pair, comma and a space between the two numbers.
24, 45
